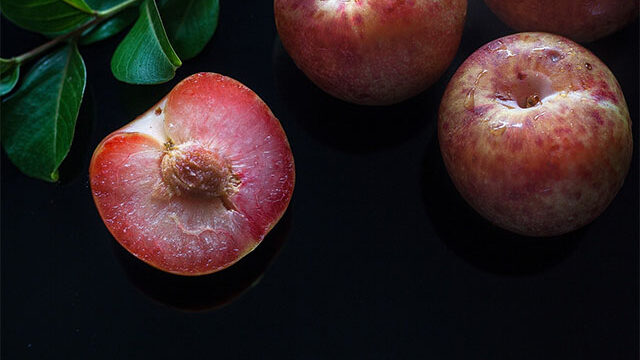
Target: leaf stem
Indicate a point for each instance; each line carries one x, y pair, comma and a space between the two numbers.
99, 17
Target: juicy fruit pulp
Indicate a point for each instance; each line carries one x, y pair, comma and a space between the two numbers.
535, 133
372, 52
196, 182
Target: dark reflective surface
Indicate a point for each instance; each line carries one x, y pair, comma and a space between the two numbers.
347, 126
208, 292
382, 260
475, 239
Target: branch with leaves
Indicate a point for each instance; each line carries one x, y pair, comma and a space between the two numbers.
38, 119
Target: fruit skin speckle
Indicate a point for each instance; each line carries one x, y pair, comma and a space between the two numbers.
371, 52
538, 170
194, 187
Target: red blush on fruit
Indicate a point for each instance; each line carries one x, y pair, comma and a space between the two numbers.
195, 183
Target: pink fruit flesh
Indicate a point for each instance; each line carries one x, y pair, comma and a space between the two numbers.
196, 182
535, 133
581, 20
372, 52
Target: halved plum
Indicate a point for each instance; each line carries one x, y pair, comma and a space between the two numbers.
196, 182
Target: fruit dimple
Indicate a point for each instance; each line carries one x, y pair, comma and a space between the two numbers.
531, 88
192, 170
532, 100
551, 151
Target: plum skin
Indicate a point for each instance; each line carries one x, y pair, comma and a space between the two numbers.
580, 20
541, 169
164, 173
371, 52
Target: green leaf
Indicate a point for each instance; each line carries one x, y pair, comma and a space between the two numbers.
145, 55
9, 74
110, 27
101, 5
46, 16
39, 119
79, 4
190, 24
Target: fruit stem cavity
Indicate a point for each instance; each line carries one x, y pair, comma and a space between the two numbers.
532, 100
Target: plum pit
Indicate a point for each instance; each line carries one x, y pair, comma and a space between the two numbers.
181, 190
195, 171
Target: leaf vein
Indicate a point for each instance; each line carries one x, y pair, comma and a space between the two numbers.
57, 108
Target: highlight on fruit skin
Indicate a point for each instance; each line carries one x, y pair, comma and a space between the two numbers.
535, 133
196, 182
371, 52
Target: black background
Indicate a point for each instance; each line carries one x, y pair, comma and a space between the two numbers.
377, 256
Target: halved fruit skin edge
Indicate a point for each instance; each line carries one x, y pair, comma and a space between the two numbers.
256, 242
